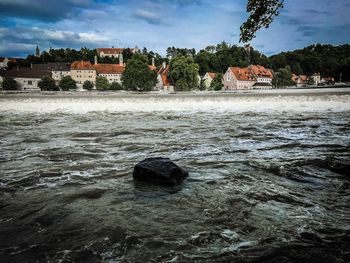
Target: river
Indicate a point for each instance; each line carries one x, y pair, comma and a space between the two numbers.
268, 178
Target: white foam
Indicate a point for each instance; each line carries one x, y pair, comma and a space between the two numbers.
231, 103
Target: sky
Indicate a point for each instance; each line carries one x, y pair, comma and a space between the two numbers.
158, 24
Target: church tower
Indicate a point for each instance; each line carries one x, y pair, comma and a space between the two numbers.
37, 51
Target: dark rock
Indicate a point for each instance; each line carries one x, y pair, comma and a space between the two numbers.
159, 171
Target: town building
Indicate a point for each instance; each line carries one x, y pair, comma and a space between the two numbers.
252, 77
164, 83
152, 66
238, 78
113, 52
60, 70
208, 78
112, 72
29, 77
327, 81
314, 80
301, 80
263, 77
316, 77
81, 71
4, 62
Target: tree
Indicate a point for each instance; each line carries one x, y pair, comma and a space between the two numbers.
202, 84
127, 54
296, 69
88, 85
184, 73
47, 84
311, 81
284, 77
217, 84
137, 76
261, 14
203, 59
9, 83
102, 83
116, 86
67, 83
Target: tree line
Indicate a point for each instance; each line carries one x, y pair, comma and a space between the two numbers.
186, 64
328, 60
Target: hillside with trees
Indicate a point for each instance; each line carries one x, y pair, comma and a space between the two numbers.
329, 60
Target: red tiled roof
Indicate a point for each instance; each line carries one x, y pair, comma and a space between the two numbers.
163, 72
10, 59
242, 74
212, 74
151, 67
261, 71
81, 65
109, 68
113, 51
303, 78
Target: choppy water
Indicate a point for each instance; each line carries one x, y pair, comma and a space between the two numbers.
266, 184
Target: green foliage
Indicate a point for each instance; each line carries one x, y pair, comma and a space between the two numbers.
217, 84
67, 83
311, 81
284, 78
329, 60
102, 83
202, 85
116, 86
261, 14
88, 85
127, 54
137, 76
184, 73
219, 58
62, 55
174, 52
47, 84
9, 83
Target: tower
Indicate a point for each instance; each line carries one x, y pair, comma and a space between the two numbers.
121, 59
37, 51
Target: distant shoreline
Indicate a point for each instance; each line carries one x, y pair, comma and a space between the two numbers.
205, 94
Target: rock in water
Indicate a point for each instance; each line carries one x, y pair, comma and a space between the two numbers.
159, 171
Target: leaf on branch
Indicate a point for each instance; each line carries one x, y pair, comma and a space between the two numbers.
261, 14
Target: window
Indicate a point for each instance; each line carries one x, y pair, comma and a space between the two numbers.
229, 76
30, 82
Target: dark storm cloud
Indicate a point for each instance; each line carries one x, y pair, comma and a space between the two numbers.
325, 31
41, 10
24, 39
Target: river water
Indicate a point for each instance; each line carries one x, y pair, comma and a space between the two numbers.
269, 179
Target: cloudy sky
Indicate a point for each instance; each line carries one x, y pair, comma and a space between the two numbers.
158, 24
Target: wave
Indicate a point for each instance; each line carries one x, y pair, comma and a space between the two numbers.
182, 104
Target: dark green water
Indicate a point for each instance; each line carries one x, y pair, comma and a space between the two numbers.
264, 186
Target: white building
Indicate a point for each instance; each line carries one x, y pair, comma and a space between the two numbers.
81, 71
252, 77
60, 70
29, 77
208, 78
113, 52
